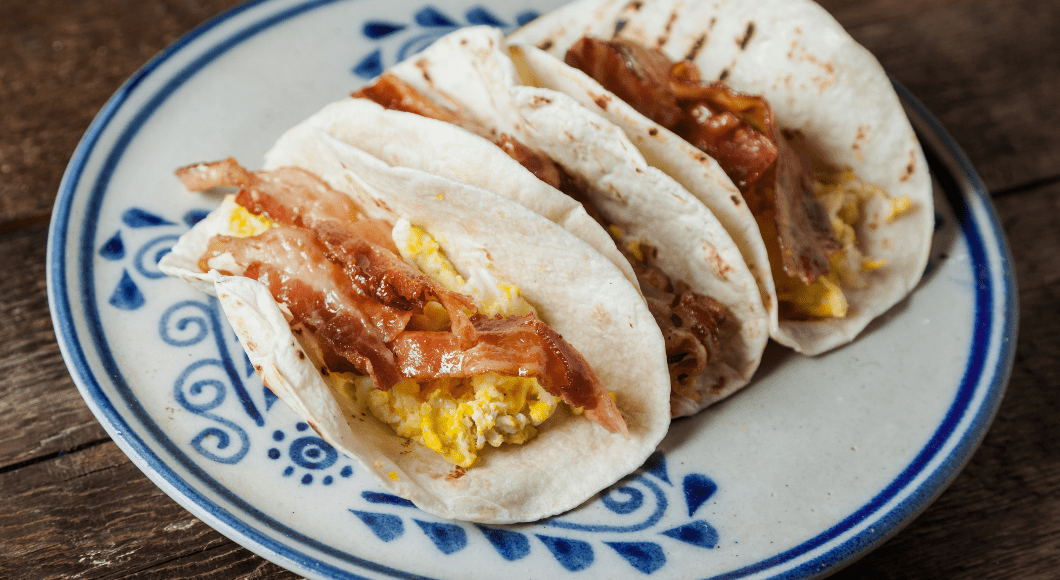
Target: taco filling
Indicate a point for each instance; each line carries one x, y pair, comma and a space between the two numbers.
451, 363
691, 323
807, 218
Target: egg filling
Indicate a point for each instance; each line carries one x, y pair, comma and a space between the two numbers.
844, 197
454, 417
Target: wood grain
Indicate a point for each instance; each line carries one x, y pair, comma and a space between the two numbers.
75, 506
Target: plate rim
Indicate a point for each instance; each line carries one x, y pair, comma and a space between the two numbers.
978, 218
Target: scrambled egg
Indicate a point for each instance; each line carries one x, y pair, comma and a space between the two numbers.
843, 196
458, 417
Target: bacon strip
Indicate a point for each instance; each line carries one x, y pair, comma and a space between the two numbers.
515, 346
737, 130
291, 263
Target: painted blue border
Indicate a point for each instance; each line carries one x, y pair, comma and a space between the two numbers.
191, 497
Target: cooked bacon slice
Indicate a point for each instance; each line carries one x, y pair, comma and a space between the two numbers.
292, 264
737, 130
514, 346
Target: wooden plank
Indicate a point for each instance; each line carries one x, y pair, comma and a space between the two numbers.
989, 71
40, 409
59, 63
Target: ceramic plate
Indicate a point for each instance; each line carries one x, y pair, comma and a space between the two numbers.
817, 463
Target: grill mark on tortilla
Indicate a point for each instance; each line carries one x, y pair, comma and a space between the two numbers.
665, 36
743, 41
698, 44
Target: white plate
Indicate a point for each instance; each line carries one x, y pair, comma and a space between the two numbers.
818, 462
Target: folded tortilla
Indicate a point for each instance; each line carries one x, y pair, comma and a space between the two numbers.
577, 291
469, 71
821, 85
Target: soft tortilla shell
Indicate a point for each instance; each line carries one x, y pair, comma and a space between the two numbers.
821, 85
577, 291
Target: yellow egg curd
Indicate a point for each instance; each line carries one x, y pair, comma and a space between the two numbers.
844, 197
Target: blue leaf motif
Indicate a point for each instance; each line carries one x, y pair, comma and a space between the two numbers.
698, 489
479, 15
430, 17
510, 545
448, 538
138, 218
195, 216
127, 295
573, 555
644, 556
375, 29
113, 249
525, 17
370, 66
270, 398
697, 533
386, 498
656, 465
385, 526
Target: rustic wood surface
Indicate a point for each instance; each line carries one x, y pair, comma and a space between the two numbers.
73, 506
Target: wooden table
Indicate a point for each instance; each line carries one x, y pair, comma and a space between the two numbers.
74, 506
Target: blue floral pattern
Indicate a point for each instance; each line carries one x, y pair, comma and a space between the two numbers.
428, 24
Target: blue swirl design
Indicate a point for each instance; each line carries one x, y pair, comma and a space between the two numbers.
201, 397
575, 545
428, 24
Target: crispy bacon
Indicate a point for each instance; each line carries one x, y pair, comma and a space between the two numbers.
514, 346
737, 130
292, 264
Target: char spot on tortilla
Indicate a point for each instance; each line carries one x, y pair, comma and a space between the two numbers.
258, 369
653, 131
910, 168
718, 386
724, 74
602, 101
539, 100
251, 346
863, 134
698, 45
735, 199
423, 65
619, 26
746, 38
324, 371
456, 473
545, 45
300, 354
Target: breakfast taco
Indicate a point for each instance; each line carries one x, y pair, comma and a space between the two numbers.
411, 320
458, 109
828, 193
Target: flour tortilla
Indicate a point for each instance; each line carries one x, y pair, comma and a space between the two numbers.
470, 70
819, 82
576, 290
